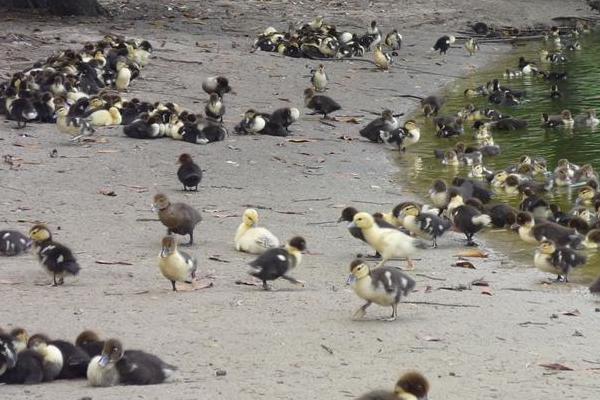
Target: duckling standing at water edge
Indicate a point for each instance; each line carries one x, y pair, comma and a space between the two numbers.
466, 218
253, 239
320, 104
383, 286
425, 225
189, 173
557, 260
179, 218
319, 79
57, 259
175, 265
278, 262
385, 123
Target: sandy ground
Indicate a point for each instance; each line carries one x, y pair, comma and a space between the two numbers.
294, 343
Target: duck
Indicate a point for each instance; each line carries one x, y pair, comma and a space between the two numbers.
382, 59
188, 173
253, 239
52, 357
56, 258
77, 127
179, 218
373, 129
466, 218
384, 286
175, 265
319, 79
103, 117
13, 243
557, 260
320, 104
123, 76
564, 119
393, 40
411, 386
587, 118
592, 239
278, 262
145, 127
443, 44
387, 242
471, 46
216, 84
425, 225
284, 117
89, 341
22, 111
215, 109
534, 232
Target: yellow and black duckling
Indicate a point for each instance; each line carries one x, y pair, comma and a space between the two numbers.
586, 196
403, 137
320, 104
179, 218
384, 286
393, 40
216, 84
438, 194
253, 122
90, 342
77, 127
565, 119
279, 262
535, 232
466, 218
385, 123
443, 44
251, 238
388, 242
52, 357
215, 109
56, 258
382, 59
425, 225
75, 359
20, 337
189, 173
319, 79
502, 215
557, 260
13, 243
471, 46
19, 365
176, 265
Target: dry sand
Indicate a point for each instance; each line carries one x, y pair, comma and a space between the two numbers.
294, 343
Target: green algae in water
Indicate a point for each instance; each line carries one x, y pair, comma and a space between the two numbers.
581, 91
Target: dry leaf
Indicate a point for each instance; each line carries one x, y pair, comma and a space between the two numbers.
487, 292
108, 151
472, 253
247, 283
107, 192
573, 313
464, 264
556, 367
217, 258
103, 262
480, 282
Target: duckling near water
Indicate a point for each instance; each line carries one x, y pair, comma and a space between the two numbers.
348, 214
189, 173
564, 119
253, 239
471, 46
558, 260
13, 243
319, 79
466, 218
54, 257
385, 123
425, 225
384, 286
532, 232
443, 44
588, 118
175, 265
278, 262
592, 239
179, 218
403, 137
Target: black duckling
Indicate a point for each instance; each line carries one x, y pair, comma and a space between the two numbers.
216, 84
179, 218
466, 219
28, 369
502, 215
13, 243
384, 286
534, 232
557, 260
90, 342
319, 103
144, 128
284, 117
555, 92
75, 359
443, 44
386, 123
8, 354
431, 105
563, 120
278, 262
44, 106
215, 109
533, 203
52, 357
176, 265
403, 137
22, 111
472, 188
189, 173
56, 258
426, 225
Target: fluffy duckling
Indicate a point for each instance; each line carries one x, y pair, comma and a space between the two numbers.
320, 104
19, 365
102, 117
189, 173
502, 215
388, 242
90, 342
75, 126
278, 262
253, 239
284, 117
562, 177
13, 243
393, 40
564, 119
56, 258
216, 84
179, 218
8, 354
438, 194
385, 123
592, 239
426, 225
532, 232
253, 122
588, 118
557, 260
22, 110
75, 359
175, 265
348, 214
145, 127
586, 196
466, 218
20, 338
123, 76
215, 109
382, 59
443, 44
471, 46
383, 286
319, 79
52, 357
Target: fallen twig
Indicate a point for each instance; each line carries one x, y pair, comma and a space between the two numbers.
431, 303
431, 277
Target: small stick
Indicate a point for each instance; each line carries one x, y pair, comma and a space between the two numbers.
431, 277
315, 199
431, 303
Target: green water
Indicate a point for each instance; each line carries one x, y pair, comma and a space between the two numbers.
581, 91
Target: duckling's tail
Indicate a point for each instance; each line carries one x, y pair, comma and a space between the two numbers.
71, 267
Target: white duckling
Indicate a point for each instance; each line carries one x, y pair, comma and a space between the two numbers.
253, 239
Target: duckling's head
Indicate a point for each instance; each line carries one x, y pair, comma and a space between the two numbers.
525, 219
298, 243
387, 115
413, 383
477, 170
410, 209
563, 174
161, 201
169, 246
455, 198
250, 217
358, 269
62, 112
451, 39
185, 158
363, 220
587, 171
96, 102
539, 167
586, 193
563, 163
450, 156
525, 169
321, 68
410, 125
525, 159
348, 214
565, 114
547, 247
38, 342
309, 93
87, 337
401, 206
111, 352
460, 147
40, 233
591, 113
471, 93
439, 186
20, 336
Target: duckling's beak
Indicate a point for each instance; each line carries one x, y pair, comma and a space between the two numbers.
340, 219
154, 208
352, 225
351, 279
514, 227
164, 251
103, 361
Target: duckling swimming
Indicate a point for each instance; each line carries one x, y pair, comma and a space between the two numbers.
384, 286
189, 173
13, 243
278, 262
558, 260
320, 104
319, 79
253, 239
175, 265
54, 257
587, 118
535, 232
564, 119
443, 44
179, 218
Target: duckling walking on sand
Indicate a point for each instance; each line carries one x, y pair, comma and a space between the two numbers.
179, 218
278, 262
57, 259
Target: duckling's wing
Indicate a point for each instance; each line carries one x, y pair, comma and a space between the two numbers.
190, 262
270, 265
266, 239
432, 224
565, 259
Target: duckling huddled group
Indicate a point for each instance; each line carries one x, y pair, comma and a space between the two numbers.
34, 359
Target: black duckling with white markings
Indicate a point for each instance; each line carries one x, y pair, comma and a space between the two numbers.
189, 173
90, 342
19, 365
425, 225
52, 357
554, 121
534, 232
443, 44
557, 260
179, 218
215, 109
56, 258
279, 262
216, 84
466, 218
384, 286
13, 243
320, 104
22, 111
385, 123
176, 265
75, 359
8, 354
144, 127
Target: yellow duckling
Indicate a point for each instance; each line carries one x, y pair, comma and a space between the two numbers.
253, 239
471, 46
74, 126
102, 117
123, 76
382, 60
175, 265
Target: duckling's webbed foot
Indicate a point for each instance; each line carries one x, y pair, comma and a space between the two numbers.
394, 314
358, 314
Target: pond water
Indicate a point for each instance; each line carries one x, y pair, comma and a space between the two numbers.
581, 91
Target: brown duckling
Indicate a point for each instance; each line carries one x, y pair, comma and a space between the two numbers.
179, 218
320, 104
411, 386
189, 173
90, 342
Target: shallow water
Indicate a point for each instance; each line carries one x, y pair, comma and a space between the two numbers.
581, 91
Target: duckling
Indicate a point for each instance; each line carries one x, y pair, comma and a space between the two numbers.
586, 173
319, 79
8, 354
253, 239
54, 257
588, 118
388, 242
384, 286
586, 196
27, 368
471, 46
478, 171
189, 173
319, 103
532, 232
476, 92
75, 126
393, 40
175, 265
466, 218
592, 239
13, 243
216, 84
562, 178
102, 370
52, 357
512, 74
215, 108
102, 117
252, 123
438, 194
284, 117
558, 260
179, 218
22, 111
450, 158
278, 262
554, 92
382, 59
20, 337
564, 119
527, 67
141, 54
411, 133
386, 123
502, 215
443, 44
425, 225
90, 342
144, 127
123, 76
431, 105
348, 214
